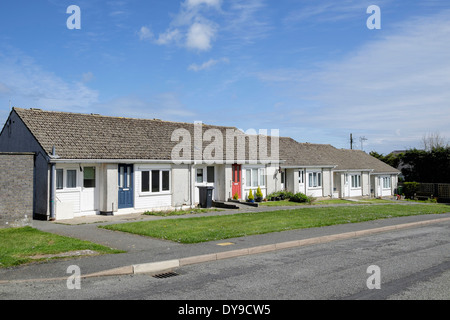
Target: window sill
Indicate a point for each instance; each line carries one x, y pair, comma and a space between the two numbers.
149, 194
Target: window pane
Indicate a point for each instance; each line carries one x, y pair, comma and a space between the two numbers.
199, 175
310, 179
248, 177
128, 174
254, 177
210, 174
155, 180
145, 184
319, 179
59, 179
121, 174
261, 177
165, 181
71, 178
89, 177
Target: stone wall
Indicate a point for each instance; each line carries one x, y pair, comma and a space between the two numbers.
16, 189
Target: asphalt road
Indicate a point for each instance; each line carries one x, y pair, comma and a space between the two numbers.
413, 264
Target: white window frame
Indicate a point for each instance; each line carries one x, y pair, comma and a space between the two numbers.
205, 175
386, 182
160, 181
301, 176
65, 180
260, 175
316, 178
356, 181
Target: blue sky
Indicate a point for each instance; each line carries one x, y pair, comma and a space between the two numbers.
311, 69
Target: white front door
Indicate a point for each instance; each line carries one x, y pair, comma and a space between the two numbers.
89, 188
346, 185
301, 181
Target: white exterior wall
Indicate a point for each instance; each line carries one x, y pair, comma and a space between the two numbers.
109, 188
78, 201
180, 186
273, 178
144, 201
326, 182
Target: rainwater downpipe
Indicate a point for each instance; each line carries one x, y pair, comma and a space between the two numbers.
52, 187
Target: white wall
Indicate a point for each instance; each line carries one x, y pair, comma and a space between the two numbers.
144, 201
78, 201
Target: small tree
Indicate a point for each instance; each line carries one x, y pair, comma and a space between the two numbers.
250, 195
259, 193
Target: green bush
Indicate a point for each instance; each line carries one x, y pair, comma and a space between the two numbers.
300, 197
250, 195
236, 196
259, 193
410, 188
281, 194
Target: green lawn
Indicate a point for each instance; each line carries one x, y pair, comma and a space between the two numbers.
180, 212
201, 229
282, 203
18, 245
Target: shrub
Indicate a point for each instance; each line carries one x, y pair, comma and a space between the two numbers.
281, 194
236, 196
300, 197
259, 193
250, 195
410, 188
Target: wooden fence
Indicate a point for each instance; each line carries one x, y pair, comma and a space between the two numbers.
433, 190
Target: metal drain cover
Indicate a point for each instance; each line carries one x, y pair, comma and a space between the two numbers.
165, 275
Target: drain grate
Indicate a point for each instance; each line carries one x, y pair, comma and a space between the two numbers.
165, 275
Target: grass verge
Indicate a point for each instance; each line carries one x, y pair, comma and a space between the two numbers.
201, 229
20, 245
180, 212
322, 202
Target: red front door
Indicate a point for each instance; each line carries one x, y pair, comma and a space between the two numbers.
236, 188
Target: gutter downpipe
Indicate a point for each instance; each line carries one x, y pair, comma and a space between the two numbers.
52, 187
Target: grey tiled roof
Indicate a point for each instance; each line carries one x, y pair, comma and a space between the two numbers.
90, 136
347, 159
310, 154
305, 154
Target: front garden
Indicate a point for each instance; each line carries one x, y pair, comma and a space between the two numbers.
218, 227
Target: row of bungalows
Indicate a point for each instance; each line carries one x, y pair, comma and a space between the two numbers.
323, 171
88, 164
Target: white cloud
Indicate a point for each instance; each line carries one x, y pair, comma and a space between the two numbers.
4, 89
206, 65
396, 83
200, 36
211, 3
145, 33
87, 77
168, 37
30, 85
189, 28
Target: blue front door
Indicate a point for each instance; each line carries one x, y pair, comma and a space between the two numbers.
125, 186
